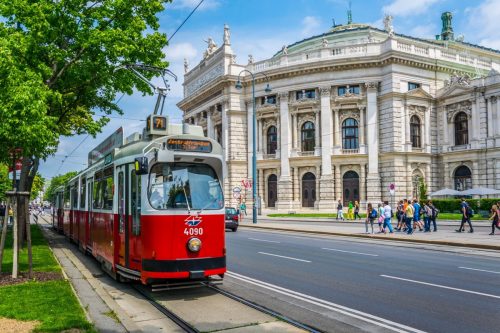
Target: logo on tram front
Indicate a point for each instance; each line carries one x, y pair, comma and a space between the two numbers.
193, 221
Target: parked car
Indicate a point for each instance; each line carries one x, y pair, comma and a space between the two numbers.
232, 218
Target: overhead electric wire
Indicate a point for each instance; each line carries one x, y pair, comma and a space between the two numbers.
187, 18
64, 159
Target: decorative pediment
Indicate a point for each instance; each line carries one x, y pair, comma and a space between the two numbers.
265, 108
417, 110
418, 93
348, 98
454, 90
345, 114
453, 109
305, 102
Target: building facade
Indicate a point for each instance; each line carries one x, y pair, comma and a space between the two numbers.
351, 112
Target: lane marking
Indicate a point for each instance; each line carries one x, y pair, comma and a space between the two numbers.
361, 315
275, 255
480, 270
441, 286
264, 240
361, 253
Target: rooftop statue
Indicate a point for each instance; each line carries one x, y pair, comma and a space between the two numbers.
227, 35
284, 50
186, 65
211, 47
324, 42
250, 59
388, 25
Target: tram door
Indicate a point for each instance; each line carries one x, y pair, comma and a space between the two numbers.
90, 205
123, 225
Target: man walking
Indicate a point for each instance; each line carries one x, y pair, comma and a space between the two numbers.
340, 213
387, 216
466, 215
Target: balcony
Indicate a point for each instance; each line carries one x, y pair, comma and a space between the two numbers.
305, 153
269, 156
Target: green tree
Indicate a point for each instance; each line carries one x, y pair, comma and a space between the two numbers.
55, 182
37, 187
5, 183
422, 190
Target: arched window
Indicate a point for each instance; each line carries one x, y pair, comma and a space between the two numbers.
350, 134
272, 140
462, 178
461, 129
415, 132
308, 136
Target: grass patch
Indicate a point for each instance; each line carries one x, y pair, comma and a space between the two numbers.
111, 314
43, 260
52, 303
458, 217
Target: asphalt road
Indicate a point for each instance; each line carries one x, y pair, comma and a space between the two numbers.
349, 285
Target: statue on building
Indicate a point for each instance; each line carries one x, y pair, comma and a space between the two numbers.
250, 59
388, 25
370, 36
227, 35
284, 50
233, 58
186, 65
211, 47
460, 80
324, 42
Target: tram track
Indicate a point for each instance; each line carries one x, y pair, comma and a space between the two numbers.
148, 294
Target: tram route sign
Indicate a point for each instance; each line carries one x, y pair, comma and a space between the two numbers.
113, 141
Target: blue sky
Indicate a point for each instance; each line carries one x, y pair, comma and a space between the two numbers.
260, 28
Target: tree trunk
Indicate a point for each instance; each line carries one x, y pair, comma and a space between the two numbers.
4, 233
15, 257
28, 171
30, 254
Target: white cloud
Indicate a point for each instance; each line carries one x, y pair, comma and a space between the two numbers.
190, 4
310, 25
408, 7
180, 51
484, 23
424, 31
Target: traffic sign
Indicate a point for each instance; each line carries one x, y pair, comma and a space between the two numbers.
236, 189
392, 188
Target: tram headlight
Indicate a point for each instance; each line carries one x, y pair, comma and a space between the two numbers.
194, 244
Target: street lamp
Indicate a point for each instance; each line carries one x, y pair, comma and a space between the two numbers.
238, 86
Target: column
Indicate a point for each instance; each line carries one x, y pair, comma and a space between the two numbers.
446, 177
472, 124
261, 188
318, 193
338, 143
428, 178
260, 136
496, 116
444, 127
297, 188
362, 184
225, 139
317, 130
294, 131
496, 174
427, 128
326, 192
362, 129
338, 184
407, 128
278, 143
373, 177
284, 182
489, 110
249, 103
475, 174
210, 126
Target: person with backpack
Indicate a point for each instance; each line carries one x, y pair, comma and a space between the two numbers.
356, 210
495, 219
427, 212
380, 215
416, 215
409, 213
434, 215
340, 212
371, 215
388, 217
467, 213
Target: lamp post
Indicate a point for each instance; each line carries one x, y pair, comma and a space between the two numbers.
254, 138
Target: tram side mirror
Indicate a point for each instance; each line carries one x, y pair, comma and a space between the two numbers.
141, 165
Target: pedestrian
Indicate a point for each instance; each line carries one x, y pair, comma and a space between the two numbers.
340, 212
371, 215
409, 213
356, 210
434, 215
388, 217
416, 215
11, 215
467, 213
380, 214
426, 212
400, 215
494, 218
243, 208
350, 211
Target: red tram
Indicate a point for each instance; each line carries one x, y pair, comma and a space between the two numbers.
151, 209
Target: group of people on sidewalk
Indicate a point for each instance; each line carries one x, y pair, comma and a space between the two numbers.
410, 215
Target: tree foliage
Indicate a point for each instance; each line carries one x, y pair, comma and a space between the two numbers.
37, 187
422, 189
57, 181
58, 66
5, 182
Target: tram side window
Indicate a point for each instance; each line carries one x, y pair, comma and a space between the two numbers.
135, 185
74, 197
107, 189
66, 198
82, 193
96, 191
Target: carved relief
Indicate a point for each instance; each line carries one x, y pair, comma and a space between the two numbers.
268, 123
283, 95
371, 85
493, 100
213, 73
305, 118
325, 92
453, 109
417, 110
345, 114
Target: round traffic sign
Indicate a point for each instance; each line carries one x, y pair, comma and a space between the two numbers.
392, 186
236, 189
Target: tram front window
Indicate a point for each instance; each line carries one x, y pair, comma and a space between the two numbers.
184, 186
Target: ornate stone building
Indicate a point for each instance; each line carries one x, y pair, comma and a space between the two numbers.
352, 111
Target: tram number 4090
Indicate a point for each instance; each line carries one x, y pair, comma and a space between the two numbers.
193, 231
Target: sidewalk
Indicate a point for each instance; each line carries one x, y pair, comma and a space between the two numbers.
447, 236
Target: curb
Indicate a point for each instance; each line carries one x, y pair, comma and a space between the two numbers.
421, 241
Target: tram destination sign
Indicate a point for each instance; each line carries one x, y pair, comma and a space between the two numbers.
199, 146
113, 141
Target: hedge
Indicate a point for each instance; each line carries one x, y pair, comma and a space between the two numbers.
453, 205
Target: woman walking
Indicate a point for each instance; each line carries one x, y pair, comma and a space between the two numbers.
371, 215
350, 215
380, 214
356, 210
494, 217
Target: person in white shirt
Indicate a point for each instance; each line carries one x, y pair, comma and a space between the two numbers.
387, 216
